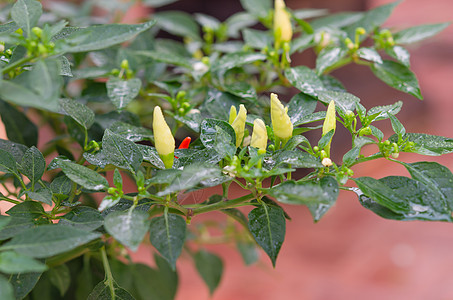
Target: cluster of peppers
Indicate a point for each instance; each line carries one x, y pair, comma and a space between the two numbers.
281, 125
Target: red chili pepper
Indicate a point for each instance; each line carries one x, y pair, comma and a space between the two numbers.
185, 143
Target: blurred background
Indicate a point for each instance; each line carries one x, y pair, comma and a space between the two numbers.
351, 253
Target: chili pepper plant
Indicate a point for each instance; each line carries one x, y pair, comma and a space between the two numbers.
95, 112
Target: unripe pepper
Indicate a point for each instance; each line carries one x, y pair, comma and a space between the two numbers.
283, 31
239, 123
259, 135
163, 138
281, 123
330, 123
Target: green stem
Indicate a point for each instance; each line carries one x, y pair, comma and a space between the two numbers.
371, 157
108, 272
223, 204
16, 64
338, 65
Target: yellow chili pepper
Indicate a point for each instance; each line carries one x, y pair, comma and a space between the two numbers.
283, 31
233, 114
239, 124
259, 135
163, 138
330, 122
281, 123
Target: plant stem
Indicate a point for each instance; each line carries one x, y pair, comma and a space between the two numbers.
108, 272
16, 64
222, 204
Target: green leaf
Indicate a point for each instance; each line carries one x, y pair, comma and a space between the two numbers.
239, 21
248, 252
400, 54
121, 152
369, 54
338, 20
4, 220
43, 195
61, 278
33, 165
81, 113
26, 13
122, 92
382, 194
150, 154
192, 119
15, 225
160, 283
328, 57
258, 8
207, 21
426, 144
17, 125
128, 227
131, 132
103, 36
236, 59
82, 217
397, 127
372, 19
296, 159
102, 292
167, 235
30, 209
241, 89
219, 135
436, 177
178, 23
218, 104
378, 113
397, 76
39, 88
314, 117
6, 288
84, 176
191, 176
158, 3
161, 56
325, 139
61, 186
14, 263
420, 201
7, 162
418, 33
23, 283
306, 192
210, 268
350, 156
343, 101
48, 240
304, 79
268, 227
257, 39
15, 149
301, 105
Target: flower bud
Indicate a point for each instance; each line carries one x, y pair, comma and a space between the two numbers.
281, 123
283, 31
163, 138
239, 124
326, 162
259, 135
330, 123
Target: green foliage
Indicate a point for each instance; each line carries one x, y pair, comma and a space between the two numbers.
95, 88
